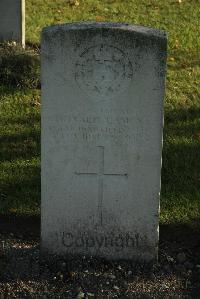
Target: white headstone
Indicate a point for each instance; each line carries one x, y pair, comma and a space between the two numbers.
102, 118
12, 21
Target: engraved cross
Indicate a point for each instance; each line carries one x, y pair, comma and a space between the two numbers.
100, 176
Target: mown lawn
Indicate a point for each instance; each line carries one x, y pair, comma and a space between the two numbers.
20, 102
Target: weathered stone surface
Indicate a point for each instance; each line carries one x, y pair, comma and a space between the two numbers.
12, 21
102, 118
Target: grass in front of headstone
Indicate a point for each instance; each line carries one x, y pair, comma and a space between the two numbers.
20, 102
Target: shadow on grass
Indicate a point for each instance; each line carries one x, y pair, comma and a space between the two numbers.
20, 165
180, 171
181, 165
180, 192
19, 67
182, 114
20, 190
24, 145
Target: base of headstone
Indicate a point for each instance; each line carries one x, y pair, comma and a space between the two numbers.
64, 265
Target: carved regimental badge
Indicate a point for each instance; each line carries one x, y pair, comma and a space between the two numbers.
103, 71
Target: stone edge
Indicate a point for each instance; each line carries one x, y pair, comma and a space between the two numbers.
148, 31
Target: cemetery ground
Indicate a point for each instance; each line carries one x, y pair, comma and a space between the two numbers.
177, 273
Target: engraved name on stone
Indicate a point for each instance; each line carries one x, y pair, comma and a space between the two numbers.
93, 128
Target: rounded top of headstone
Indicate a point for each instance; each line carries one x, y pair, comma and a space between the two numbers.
106, 25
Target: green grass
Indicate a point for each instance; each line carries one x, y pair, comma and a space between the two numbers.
20, 103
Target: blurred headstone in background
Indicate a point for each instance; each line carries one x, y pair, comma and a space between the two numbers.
12, 21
